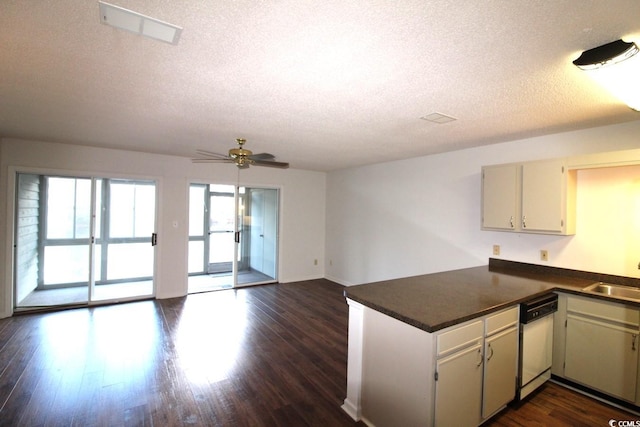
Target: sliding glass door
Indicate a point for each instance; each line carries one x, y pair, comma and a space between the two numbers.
233, 236
82, 240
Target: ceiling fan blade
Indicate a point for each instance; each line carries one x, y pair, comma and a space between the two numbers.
270, 163
262, 156
206, 153
221, 160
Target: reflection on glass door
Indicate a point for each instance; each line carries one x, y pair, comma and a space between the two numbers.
60, 261
258, 237
232, 244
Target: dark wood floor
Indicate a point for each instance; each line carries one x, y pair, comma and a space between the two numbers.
555, 405
272, 355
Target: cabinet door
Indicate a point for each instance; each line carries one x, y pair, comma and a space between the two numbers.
501, 358
459, 388
499, 196
542, 196
602, 356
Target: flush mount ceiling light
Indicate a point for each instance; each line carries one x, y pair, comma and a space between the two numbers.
616, 66
137, 23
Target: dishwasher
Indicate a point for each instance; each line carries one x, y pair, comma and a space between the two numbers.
536, 343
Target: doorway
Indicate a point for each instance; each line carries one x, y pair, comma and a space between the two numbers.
233, 236
82, 240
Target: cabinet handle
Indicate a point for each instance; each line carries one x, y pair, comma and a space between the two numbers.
491, 354
480, 358
511, 222
633, 342
524, 221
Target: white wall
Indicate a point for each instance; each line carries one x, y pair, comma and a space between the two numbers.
422, 215
302, 205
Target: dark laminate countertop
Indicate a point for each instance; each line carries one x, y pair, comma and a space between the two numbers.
435, 301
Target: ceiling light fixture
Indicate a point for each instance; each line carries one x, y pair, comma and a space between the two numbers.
137, 23
616, 66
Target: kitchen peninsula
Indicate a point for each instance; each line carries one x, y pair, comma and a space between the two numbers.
405, 333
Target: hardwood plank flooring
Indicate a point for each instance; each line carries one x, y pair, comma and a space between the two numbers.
555, 405
272, 355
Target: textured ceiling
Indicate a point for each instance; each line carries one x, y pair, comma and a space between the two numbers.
321, 84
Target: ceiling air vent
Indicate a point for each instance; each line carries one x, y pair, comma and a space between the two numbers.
438, 118
137, 23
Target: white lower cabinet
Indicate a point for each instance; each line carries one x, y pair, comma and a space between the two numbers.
500, 371
601, 348
459, 376
400, 375
476, 369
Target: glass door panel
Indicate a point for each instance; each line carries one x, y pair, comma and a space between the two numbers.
221, 229
52, 235
211, 246
198, 218
258, 246
126, 254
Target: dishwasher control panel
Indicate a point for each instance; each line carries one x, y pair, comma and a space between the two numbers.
538, 307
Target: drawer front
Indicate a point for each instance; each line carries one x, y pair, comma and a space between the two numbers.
603, 310
459, 338
499, 321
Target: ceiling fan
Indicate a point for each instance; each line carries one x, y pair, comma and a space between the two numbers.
241, 157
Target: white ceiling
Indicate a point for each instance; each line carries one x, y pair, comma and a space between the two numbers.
323, 85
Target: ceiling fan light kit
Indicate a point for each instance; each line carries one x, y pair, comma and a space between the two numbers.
615, 66
241, 157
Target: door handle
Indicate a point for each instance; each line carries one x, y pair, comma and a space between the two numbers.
490, 354
154, 239
237, 237
480, 357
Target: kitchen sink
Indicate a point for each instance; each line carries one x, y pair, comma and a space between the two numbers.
619, 291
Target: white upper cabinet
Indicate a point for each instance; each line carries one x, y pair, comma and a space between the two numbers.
499, 196
532, 197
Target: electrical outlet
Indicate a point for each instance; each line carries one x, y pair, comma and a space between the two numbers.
496, 249
544, 255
